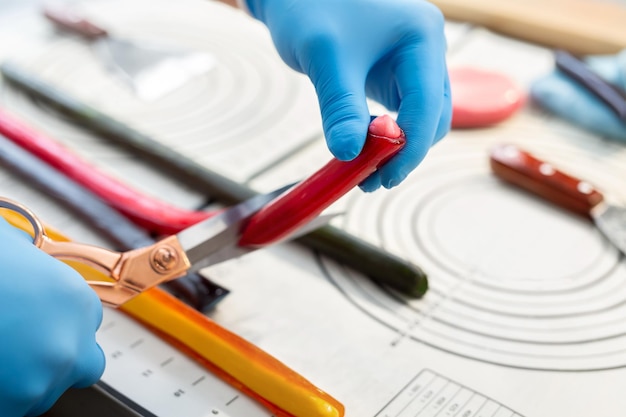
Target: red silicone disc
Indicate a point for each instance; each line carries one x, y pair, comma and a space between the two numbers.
482, 98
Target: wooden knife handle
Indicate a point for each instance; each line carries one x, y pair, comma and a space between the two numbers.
68, 20
524, 170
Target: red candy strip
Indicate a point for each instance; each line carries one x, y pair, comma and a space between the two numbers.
145, 211
309, 198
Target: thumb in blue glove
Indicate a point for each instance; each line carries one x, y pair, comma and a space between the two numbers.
48, 320
392, 51
567, 98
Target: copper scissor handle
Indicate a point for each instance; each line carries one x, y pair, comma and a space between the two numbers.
131, 272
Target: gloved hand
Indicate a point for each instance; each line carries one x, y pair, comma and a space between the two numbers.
48, 320
566, 98
392, 51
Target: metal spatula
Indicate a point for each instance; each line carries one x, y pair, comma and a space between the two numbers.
151, 70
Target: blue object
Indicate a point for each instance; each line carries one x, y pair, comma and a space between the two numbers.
48, 321
392, 51
564, 96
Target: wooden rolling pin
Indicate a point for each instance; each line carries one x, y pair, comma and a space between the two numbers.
578, 26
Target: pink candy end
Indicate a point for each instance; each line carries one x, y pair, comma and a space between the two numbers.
385, 126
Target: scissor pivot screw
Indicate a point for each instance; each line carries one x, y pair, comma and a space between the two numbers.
164, 259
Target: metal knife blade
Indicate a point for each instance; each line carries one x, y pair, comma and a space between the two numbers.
611, 220
520, 168
150, 69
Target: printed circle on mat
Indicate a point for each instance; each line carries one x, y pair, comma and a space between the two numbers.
513, 280
247, 111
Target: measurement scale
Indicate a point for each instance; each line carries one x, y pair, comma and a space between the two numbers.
161, 379
432, 395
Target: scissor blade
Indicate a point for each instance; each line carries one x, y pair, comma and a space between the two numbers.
235, 251
222, 230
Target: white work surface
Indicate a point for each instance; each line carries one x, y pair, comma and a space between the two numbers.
526, 314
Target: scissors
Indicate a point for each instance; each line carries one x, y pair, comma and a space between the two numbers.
263, 220
134, 271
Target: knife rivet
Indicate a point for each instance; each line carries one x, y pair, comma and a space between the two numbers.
546, 169
585, 187
163, 259
511, 152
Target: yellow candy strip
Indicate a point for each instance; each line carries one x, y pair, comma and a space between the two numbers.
237, 361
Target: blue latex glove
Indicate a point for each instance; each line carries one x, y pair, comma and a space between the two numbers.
48, 320
566, 98
392, 51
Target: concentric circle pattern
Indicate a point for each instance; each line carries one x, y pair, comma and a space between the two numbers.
240, 116
514, 281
